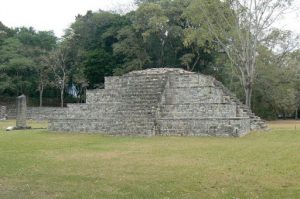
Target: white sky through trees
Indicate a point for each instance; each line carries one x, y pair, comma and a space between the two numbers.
57, 15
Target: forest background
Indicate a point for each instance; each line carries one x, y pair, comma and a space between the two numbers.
232, 40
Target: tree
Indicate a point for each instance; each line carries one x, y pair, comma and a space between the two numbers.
97, 65
134, 57
5, 33
20, 60
162, 25
46, 42
81, 83
16, 67
90, 41
38, 44
292, 60
275, 85
43, 72
237, 27
150, 20
56, 61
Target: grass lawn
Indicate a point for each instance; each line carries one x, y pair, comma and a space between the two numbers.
38, 164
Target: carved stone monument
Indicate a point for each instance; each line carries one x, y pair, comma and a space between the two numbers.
3, 114
21, 113
159, 101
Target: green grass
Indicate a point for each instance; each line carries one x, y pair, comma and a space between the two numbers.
38, 164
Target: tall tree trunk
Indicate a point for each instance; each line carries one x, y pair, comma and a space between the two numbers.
247, 82
196, 61
41, 95
162, 53
62, 97
248, 94
188, 67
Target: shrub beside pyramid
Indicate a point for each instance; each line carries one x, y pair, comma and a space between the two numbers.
162, 101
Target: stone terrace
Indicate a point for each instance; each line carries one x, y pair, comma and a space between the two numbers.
163, 101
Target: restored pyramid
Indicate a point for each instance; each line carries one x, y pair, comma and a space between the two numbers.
162, 101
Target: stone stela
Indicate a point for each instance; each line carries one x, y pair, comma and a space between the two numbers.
21, 113
3, 113
159, 101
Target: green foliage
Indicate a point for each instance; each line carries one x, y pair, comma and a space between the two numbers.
131, 49
90, 40
98, 64
5, 33
5, 82
95, 30
197, 35
275, 88
20, 56
207, 13
238, 28
151, 36
16, 67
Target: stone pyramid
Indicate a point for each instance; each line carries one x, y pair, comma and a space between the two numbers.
159, 101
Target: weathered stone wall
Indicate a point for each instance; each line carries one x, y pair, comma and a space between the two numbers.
157, 102
190, 80
192, 105
36, 113
194, 95
199, 110
204, 126
128, 107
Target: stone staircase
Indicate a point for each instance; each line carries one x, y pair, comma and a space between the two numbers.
140, 99
129, 108
256, 123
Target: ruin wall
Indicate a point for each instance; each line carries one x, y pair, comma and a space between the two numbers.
36, 113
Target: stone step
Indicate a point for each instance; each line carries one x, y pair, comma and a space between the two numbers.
255, 121
138, 97
115, 117
123, 122
142, 84
132, 101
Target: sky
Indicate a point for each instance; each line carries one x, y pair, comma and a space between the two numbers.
57, 15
